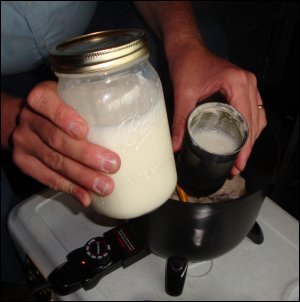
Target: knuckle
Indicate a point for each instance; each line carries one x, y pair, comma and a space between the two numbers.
59, 183
20, 142
17, 157
55, 138
56, 161
55, 182
242, 77
17, 136
36, 98
21, 160
252, 78
59, 114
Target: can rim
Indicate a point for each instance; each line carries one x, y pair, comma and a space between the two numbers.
226, 107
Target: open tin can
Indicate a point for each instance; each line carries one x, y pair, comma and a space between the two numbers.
215, 134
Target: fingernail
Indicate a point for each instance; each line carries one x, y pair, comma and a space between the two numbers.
101, 187
76, 129
108, 164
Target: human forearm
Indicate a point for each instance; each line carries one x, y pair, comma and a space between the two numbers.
10, 109
169, 18
174, 22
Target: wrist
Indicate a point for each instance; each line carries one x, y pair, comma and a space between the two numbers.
183, 44
184, 54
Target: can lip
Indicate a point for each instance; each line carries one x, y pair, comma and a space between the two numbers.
99, 51
225, 107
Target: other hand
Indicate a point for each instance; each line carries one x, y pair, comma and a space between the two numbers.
197, 74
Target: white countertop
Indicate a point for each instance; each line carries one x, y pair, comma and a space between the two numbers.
49, 225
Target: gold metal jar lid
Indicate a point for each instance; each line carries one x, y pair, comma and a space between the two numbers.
99, 51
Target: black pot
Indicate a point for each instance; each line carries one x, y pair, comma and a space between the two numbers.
189, 232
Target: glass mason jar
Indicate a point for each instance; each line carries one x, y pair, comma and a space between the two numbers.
107, 78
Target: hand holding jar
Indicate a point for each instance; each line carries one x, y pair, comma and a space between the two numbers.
107, 78
50, 146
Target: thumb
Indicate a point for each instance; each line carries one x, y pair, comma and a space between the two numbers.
178, 128
242, 158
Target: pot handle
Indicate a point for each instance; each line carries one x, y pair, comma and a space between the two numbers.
176, 269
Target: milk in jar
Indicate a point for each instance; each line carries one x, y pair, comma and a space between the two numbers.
124, 107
